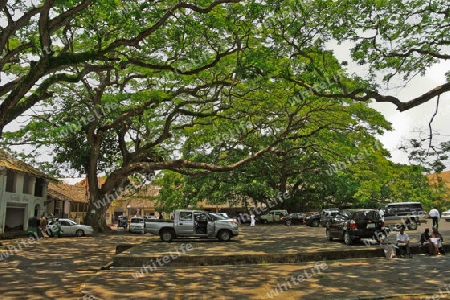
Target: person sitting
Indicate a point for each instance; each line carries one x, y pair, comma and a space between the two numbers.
402, 239
436, 239
425, 240
388, 248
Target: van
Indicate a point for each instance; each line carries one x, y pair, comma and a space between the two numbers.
409, 214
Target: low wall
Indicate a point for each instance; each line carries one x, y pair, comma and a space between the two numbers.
139, 260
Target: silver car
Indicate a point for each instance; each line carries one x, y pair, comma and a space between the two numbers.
70, 228
137, 224
446, 215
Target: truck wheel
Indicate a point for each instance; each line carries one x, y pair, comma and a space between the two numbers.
412, 226
224, 235
315, 223
288, 222
264, 221
167, 235
347, 239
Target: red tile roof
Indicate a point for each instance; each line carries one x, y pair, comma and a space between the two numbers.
9, 162
67, 192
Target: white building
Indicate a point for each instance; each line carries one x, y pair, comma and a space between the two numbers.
23, 191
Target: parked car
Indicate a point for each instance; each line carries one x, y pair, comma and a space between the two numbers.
69, 228
220, 216
273, 216
446, 215
293, 219
354, 225
243, 218
312, 219
137, 225
224, 215
327, 214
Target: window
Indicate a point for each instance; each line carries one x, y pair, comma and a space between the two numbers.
201, 217
10, 181
39, 187
27, 184
186, 216
65, 223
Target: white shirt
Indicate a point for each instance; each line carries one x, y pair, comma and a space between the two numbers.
402, 237
434, 213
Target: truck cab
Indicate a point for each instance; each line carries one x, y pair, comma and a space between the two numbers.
192, 223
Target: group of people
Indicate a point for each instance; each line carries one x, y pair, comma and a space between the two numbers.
430, 243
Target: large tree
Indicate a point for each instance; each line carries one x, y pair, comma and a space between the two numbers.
61, 41
192, 72
123, 87
42, 45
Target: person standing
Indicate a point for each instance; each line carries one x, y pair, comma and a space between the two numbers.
381, 212
252, 220
43, 225
434, 214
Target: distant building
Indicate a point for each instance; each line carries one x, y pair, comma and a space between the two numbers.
67, 201
134, 203
23, 193
441, 181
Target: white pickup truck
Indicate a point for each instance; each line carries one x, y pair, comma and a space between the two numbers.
193, 223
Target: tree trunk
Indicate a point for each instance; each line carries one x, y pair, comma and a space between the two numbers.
96, 216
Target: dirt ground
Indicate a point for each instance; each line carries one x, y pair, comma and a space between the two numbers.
69, 268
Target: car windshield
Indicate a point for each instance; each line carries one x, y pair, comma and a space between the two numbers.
218, 217
136, 220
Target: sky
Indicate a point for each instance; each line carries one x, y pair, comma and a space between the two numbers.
409, 123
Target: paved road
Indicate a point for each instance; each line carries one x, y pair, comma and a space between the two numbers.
55, 268
67, 268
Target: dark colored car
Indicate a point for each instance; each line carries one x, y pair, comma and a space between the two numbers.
354, 225
312, 220
293, 219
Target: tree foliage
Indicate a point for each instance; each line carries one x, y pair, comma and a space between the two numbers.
247, 87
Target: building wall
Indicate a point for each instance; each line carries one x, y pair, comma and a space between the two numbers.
16, 207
